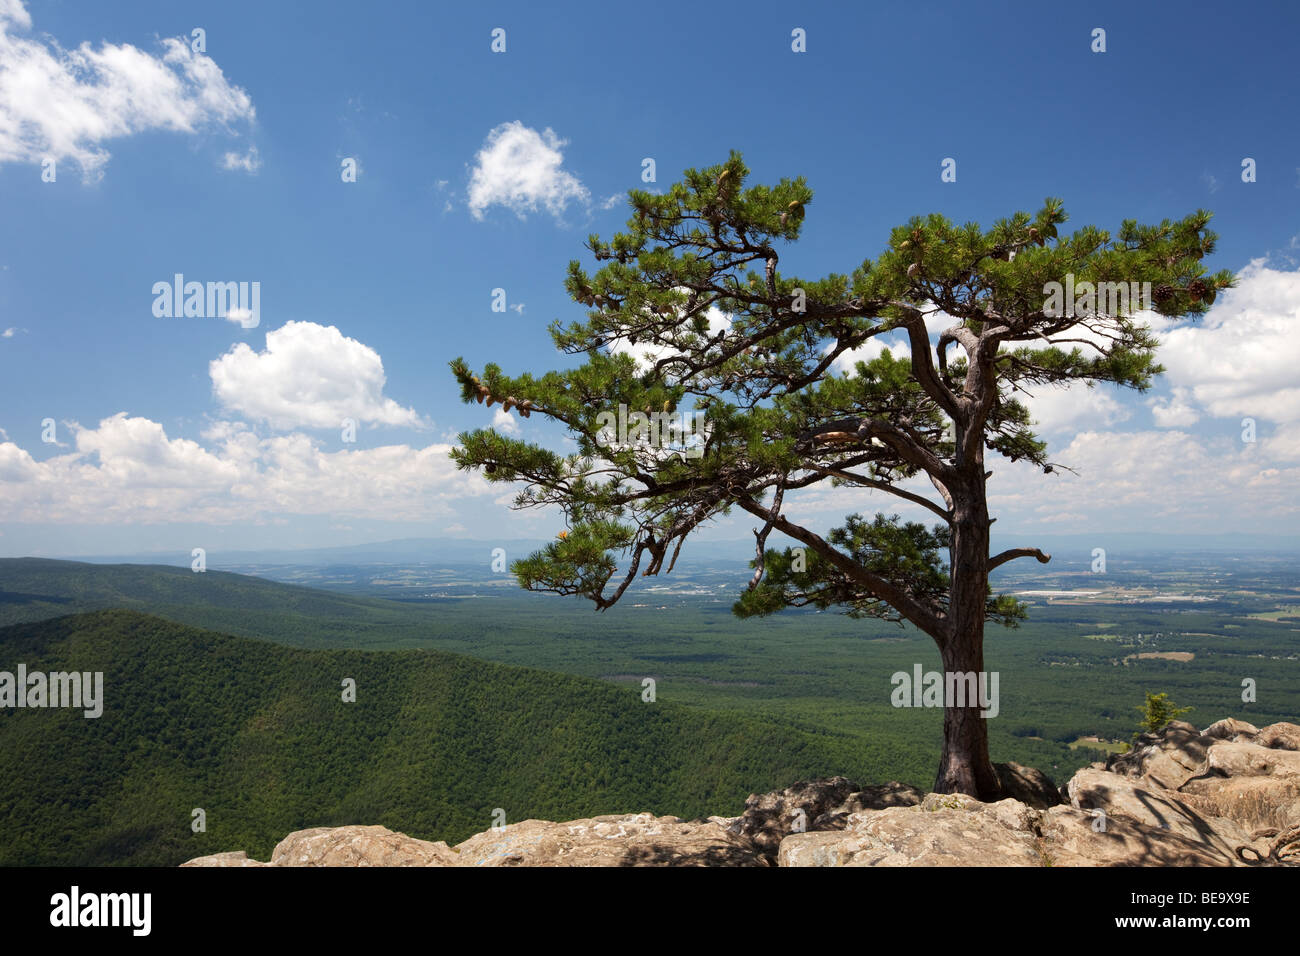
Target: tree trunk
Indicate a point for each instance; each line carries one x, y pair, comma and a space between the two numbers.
964, 766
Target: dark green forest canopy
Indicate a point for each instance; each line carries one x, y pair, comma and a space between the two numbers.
779, 420
259, 737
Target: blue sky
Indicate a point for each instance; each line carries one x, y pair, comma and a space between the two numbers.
480, 170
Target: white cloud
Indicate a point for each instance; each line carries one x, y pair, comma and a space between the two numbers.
870, 349
522, 169
1135, 479
1284, 444
250, 162
1175, 411
1056, 408
937, 321
310, 376
127, 470
240, 316
503, 421
1171, 480
65, 104
14, 12
1240, 359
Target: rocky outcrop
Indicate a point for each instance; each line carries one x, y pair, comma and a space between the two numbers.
943, 830
1279, 737
1165, 760
1156, 811
769, 817
1228, 796
879, 797
343, 846
635, 840
1231, 729
233, 858
628, 840
1073, 837
956, 830
811, 805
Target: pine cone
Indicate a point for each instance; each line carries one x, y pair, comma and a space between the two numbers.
1197, 289
1163, 293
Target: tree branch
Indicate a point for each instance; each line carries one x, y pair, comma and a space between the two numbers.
922, 361
1012, 553
761, 537
880, 486
925, 618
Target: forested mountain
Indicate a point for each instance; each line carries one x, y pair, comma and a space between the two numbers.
1071, 676
259, 737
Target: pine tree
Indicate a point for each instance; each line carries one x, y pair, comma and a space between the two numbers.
1156, 712
693, 288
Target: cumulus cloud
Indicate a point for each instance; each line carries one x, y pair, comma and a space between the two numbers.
1132, 479
522, 170
127, 470
65, 104
1240, 359
1176, 410
309, 376
1058, 408
1138, 480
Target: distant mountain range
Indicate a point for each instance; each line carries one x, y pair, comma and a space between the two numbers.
456, 552
34, 589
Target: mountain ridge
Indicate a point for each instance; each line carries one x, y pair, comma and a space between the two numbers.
259, 737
